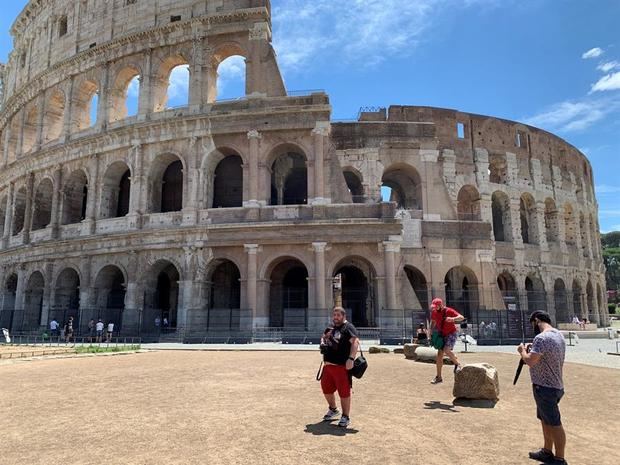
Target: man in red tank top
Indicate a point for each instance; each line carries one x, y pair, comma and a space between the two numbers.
442, 320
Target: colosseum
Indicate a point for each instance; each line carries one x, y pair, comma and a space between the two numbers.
240, 213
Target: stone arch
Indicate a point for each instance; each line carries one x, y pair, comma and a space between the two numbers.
67, 292
29, 131
468, 203
560, 300
33, 301
9, 295
529, 221
288, 289
592, 311
462, 290
115, 191
289, 176
223, 54
552, 230
75, 197
86, 96
405, 184
577, 299
507, 284
601, 305
120, 93
161, 84
54, 115
535, 291
13, 141
227, 184
110, 289
419, 285
224, 285
19, 210
162, 291
353, 179
358, 290
502, 224
569, 225
42, 211
167, 184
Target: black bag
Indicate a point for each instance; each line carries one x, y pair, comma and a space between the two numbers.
359, 366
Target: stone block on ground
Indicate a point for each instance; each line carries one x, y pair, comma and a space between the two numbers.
428, 355
409, 350
374, 350
478, 381
399, 350
384, 350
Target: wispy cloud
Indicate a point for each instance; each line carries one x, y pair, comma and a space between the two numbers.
361, 31
230, 70
608, 82
570, 116
608, 66
607, 189
592, 53
179, 85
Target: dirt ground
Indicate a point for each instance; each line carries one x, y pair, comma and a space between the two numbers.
189, 407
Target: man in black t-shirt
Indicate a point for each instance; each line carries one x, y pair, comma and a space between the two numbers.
339, 346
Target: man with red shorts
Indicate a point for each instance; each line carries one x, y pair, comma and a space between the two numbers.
339, 346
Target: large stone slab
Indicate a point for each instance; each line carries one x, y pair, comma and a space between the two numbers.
478, 381
423, 354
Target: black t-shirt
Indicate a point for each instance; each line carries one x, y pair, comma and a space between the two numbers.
338, 343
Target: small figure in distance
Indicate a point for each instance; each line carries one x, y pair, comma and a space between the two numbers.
421, 335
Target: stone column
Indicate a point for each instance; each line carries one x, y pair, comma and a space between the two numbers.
191, 180
103, 102
47, 294
515, 223
8, 219
56, 199
136, 188
90, 222
390, 248
254, 153
319, 273
540, 226
39, 138
429, 157
28, 209
251, 295
145, 106
6, 143
67, 116
320, 133
196, 75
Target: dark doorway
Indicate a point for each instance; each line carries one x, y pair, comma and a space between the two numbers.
355, 295
228, 183
124, 189
172, 188
225, 286
289, 291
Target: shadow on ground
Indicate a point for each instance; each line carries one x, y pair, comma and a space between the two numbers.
481, 403
326, 428
438, 405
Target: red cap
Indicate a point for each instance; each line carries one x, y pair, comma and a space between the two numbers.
437, 301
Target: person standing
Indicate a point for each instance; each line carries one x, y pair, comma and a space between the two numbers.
54, 325
442, 321
110, 331
91, 329
99, 329
69, 329
339, 346
545, 357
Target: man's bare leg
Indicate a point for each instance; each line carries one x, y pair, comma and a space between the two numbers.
439, 362
346, 405
559, 440
548, 435
331, 400
451, 356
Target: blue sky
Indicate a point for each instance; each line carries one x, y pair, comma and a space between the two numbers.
551, 63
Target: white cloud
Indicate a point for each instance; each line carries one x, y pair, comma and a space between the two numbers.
572, 116
133, 90
608, 66
592, 53
608, 82
360, 31
179, 83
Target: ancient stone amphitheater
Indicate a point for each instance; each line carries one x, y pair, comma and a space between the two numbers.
256, 204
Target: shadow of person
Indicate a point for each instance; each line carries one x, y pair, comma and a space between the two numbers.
480, 403
438, 405
325, 427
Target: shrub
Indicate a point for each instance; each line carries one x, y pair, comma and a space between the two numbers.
611, 308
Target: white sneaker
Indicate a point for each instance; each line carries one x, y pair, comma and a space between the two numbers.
331, 414
344, 421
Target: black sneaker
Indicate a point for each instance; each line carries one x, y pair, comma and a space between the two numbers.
542, 455
558, 461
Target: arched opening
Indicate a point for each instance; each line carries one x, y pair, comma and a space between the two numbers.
171, 84
355, 186
462, 290
569, 225
592, 311
14, 130
19, 213
418, 283
468, 204
289, 180
358, 294
115, 191
535, 290
583, 235
163, 293
110, 289
500, 207
33, 301
75, 198
577, 294
225, 286
228, 183
551, 221
527, 214
66, 297
560, 299
3, 201
54, 116
84, 106
507, 285
42, 212
498, 169
8, 302
125, 94
602, 310
167, 184
29, 132
405, 185
288, 293
231, 78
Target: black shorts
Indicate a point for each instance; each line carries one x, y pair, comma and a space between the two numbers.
547, 404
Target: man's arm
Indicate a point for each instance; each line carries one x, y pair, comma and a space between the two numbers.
353, 352
529, 358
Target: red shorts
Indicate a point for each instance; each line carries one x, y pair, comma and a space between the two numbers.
336, 378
